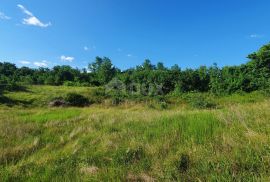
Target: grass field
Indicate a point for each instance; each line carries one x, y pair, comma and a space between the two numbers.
133, 141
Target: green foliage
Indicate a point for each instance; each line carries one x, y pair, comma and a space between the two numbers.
97, 95
148, 79
200, 101
75, 99
7, 69
163, 105
103, 70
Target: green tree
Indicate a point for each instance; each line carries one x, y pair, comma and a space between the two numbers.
259, 68
147, 65
216, 83
160, 66
103, 70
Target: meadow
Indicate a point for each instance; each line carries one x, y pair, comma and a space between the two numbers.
134, 140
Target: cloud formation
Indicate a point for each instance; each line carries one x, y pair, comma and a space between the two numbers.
31, 19
41, 64
67, 58
3, 16
24, 62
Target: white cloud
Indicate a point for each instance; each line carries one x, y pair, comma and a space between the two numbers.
67, 58
35, 22
91, 48
31, 19
129, 55
25, 10
3, 16
41, 64
24, 62
255, 36
85, 48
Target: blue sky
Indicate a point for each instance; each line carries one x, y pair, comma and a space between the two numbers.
189, 33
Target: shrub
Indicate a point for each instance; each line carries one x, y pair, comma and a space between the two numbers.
200, 101
13, 87
163, 105
97, 95
183, 163
157, 102
117, 99
74, 99
69, 83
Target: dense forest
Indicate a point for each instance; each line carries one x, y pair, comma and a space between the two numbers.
148, 78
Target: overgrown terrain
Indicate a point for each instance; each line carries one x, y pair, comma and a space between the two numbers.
149, 123
188, 137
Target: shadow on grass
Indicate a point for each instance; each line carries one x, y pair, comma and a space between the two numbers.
13, 88
12, 102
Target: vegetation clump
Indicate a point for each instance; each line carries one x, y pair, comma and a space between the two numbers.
183, 163
74, 99
158, 104
200, 101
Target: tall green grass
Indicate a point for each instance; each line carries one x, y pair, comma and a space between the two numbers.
135, 142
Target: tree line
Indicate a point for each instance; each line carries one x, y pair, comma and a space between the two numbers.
254, 75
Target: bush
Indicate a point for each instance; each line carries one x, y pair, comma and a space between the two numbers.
200, 101
97, 95
12, 87
183, 163
116, 100
163, 105
74, 99
69, 83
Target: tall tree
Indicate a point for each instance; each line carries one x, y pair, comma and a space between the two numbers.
103, 69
